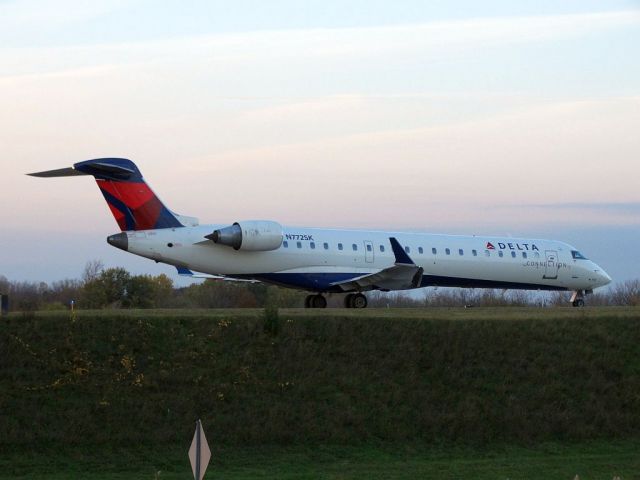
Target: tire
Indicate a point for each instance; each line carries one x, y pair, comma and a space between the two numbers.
348, 300
578, 303
359, 301
307, 301
318, 301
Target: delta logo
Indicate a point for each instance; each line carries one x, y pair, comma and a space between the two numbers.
513, 246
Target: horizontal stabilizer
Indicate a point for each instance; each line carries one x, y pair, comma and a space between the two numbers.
60, 172
109, 167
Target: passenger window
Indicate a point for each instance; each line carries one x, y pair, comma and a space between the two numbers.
536, 254
487, 253
339, 246
434, 250
513, 254
524, 254
447, 251
382, 248
299, 244
326, 246
420, 250
474, 253
368, 247
355, 247
460, 252
312, 245
285, 244
500, 254
407, 249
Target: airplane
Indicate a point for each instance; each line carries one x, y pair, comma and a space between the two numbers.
327, 261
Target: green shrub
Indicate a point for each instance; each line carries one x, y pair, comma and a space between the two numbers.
271, 320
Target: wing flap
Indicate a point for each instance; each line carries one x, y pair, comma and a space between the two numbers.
397, 277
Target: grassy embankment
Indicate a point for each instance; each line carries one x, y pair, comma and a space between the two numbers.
406, 392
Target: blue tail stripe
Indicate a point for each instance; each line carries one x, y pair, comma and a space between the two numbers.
128, 215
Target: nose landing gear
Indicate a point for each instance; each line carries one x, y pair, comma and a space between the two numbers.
577, 299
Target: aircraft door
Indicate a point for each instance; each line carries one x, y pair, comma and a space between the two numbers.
551, 268
368, 251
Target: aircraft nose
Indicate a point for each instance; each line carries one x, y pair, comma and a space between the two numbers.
603, 277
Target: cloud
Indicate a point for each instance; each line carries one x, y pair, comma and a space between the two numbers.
602, 213
305, 165
429, 41
18, 15
243, 121
622, 207
456, 173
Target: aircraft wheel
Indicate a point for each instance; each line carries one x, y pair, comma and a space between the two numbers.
579, 302
318, 301
359, 301
308, 301
348, 300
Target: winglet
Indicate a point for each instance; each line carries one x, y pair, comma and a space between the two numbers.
401, 256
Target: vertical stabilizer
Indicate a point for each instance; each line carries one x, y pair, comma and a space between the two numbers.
131, 201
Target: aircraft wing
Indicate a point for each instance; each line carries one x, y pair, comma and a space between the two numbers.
185, 272
403, 274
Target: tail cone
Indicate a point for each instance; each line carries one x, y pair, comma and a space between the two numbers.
119, 240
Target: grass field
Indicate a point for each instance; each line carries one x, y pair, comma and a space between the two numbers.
407, 393
549, 461
431, 313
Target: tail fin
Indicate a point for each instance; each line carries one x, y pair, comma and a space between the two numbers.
131, 200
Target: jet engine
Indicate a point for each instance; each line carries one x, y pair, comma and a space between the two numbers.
251, 235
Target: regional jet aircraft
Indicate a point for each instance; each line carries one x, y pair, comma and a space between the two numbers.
323, 261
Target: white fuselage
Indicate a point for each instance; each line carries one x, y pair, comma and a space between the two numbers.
314, 259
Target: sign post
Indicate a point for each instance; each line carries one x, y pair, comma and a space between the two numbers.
199, 453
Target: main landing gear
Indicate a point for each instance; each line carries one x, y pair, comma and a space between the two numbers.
352, 300
577, 299
355, 300
315, 301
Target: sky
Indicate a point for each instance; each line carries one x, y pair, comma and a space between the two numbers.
497, 117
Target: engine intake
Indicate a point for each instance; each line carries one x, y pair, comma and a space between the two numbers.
252, 235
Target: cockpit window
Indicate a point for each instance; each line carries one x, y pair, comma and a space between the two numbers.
577, 255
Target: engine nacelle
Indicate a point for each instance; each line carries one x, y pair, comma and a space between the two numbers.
251, 235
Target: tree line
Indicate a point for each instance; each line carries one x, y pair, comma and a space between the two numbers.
101, 287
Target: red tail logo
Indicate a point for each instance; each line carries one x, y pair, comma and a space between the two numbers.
133, 204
